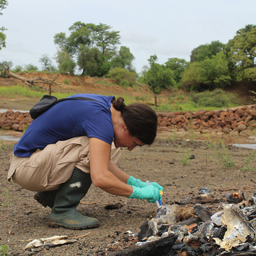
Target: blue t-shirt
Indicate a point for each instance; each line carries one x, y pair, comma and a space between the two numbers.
68, 119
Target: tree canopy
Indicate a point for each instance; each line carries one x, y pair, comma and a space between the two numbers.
123, 59
241, 52
206, 51
3, 4
92, 46
207, 74
159, 76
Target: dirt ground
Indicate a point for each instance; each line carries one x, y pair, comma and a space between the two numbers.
182, 167
166, 162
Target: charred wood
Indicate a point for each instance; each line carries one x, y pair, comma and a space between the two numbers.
202, 212
162, 246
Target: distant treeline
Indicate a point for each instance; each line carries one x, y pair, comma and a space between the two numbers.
92, 50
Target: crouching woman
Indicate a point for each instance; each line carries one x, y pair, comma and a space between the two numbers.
76, 143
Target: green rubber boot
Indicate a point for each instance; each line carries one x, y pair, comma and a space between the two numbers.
64, 212
46, 198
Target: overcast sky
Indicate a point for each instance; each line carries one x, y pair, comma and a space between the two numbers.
167, 28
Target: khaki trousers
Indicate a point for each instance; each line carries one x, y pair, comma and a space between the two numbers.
47, 169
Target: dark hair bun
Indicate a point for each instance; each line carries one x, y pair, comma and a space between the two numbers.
119, 104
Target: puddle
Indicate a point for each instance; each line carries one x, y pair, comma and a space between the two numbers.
10, 135
9, 138
250, 146
2, 110
243, 142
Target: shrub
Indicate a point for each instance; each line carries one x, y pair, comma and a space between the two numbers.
67, 81
122, 76
217, 98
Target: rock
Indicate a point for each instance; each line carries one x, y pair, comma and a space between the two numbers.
241, 127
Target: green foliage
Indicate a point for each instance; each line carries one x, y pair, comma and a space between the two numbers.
217, 98
106, 40
205, 51
121, 74
250, 74
247, 160
23, 91
222, 153
6, 201
3, 4
4, 249
125, 83
31, 67
92, 45
2, 40
159, 77
89, 35
47, 63
66, 64
178, 66
92, 62
67, 81
5, 65
241, 52
186, 157
207, 74
123, 59
17, 69
67, 67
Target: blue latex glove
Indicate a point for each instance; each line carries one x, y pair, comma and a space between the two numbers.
151, 193
140, 184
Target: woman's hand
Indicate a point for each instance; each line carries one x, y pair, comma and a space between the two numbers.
150, 192
138, 183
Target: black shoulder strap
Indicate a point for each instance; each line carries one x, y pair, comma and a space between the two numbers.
75, 98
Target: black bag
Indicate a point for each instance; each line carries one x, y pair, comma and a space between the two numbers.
47, 102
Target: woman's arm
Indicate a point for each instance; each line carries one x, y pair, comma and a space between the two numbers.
121, 175
113, 181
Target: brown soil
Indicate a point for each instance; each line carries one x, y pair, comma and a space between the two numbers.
166, 162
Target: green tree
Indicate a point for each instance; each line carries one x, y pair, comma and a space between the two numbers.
3, 4
17, 69
66, 64
47, 63
92, 62
152, 59
123, 59
206, 51
122, 76
83, 36
207, 74
159, 76
178, 66
241, 52
31, 67
106, 40
5, 65
142, 77
250, 74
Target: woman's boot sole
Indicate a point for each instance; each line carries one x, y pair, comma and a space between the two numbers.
55, 225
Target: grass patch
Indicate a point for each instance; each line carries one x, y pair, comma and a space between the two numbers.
18, 91
6, 200
194, 101
4, 249
177, 102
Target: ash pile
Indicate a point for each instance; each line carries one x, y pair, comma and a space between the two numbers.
229, 231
